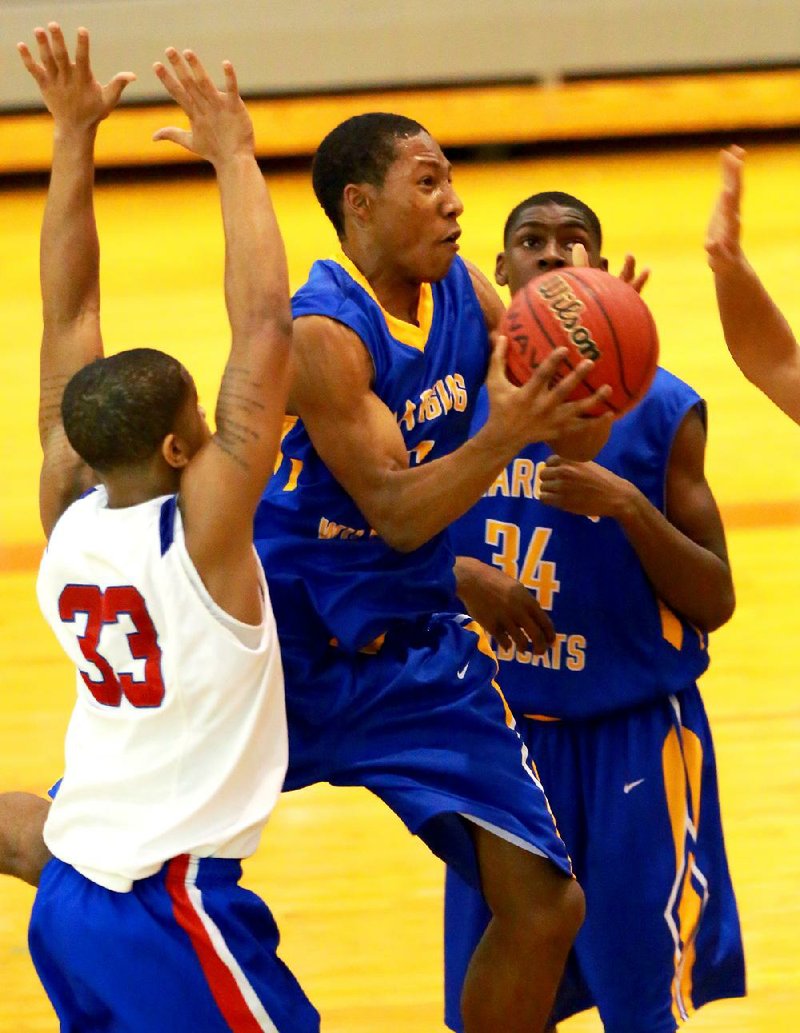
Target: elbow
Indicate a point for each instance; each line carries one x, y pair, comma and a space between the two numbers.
399, 534
722, 610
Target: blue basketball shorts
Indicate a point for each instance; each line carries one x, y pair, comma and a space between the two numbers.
636, 800
187, 949
422, 725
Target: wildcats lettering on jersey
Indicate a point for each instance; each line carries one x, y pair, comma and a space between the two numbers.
449, 392
567, 653
330, 529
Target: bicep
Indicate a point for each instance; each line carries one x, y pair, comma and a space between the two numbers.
489, 300
355, 434
690, 503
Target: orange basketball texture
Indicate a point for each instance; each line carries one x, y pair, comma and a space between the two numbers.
595, 316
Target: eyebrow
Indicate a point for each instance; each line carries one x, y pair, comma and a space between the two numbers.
575, 223
423, 159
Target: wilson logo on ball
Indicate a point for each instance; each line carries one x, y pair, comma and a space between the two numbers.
594, 315
563, 303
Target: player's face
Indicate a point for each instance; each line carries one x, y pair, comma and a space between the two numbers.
414, 215
542, 239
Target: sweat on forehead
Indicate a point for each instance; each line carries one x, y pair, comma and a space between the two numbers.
557, 197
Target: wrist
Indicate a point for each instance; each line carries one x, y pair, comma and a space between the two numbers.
66, 131
627, 504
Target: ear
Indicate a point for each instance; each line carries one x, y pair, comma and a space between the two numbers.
356, 201
174, 451
500, 277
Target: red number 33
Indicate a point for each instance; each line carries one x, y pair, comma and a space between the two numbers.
105, 607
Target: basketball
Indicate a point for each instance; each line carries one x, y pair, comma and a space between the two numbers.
595, 316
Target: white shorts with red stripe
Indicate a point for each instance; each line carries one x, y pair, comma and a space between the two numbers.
187, 949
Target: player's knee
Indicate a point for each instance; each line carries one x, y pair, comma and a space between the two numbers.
545, 916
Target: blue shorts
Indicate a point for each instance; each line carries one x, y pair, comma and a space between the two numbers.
420, 724
187, 949
636, 800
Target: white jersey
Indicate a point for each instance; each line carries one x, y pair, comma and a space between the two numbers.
178, 742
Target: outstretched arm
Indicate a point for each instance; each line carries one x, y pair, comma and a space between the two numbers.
69, 252
757, 335
222, 485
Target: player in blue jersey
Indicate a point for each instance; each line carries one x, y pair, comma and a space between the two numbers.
758, 336
600, 582
389, 685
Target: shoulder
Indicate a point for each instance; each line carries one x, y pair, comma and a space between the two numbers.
486, 293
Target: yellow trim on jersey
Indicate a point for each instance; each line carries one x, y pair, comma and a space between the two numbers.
682, 762
407, 333
671, 627
541, 717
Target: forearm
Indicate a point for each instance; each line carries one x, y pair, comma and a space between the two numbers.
418, 502
256, 275
689, 578
69, 273
70, 252
758, 336
252, 397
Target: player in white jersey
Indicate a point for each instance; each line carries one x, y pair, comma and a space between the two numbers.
177, 746
758, 336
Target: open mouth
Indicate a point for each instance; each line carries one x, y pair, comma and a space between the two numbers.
452, 238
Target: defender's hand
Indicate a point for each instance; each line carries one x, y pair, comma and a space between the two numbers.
220, 124
73, 96
724, 229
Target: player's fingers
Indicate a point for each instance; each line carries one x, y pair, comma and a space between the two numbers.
732, 161
639, 281
231, 82
45, 52
502, 638
497, 358
35, 69
170, 83
113, 90
547, 371
200, 76
580, 256
538, 627
82, 54
60, 54
182, 137
180, 69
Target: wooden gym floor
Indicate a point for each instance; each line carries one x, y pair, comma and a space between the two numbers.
358, 901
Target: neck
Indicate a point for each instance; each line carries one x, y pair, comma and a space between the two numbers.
130, 486
397, 294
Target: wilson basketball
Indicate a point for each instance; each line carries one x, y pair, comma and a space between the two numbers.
595, 316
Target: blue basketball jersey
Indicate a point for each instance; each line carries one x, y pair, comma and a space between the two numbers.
331, 576
616, 644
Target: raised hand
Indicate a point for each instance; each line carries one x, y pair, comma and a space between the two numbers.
69, 89
220, 124
724, 228
628, 274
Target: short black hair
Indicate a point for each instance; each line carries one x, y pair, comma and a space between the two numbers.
553, 197
358, 150
117, 410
